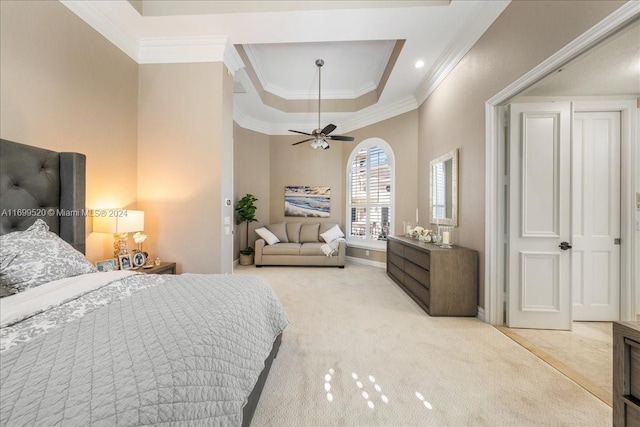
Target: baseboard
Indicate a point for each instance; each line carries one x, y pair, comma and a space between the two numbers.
370, 263
481, 314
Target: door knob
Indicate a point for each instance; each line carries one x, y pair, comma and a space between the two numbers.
564, 246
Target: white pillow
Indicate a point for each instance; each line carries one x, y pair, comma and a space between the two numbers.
268, 236
332, 234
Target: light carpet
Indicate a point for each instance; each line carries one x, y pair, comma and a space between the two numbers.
360, 352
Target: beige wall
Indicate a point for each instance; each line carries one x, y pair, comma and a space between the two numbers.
251, 175
66, 88
182, 142
302, 165
524, 35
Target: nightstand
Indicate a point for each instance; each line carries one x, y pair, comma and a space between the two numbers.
163, 268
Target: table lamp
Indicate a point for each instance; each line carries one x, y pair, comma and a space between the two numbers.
119, 222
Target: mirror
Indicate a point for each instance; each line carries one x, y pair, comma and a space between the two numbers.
443, 191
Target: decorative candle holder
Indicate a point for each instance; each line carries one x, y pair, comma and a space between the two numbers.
408, 228
446, 237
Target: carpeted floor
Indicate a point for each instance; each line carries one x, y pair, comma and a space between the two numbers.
360, 352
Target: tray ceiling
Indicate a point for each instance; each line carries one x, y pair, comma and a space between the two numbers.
369, 49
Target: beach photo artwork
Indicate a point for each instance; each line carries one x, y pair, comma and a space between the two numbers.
307, 201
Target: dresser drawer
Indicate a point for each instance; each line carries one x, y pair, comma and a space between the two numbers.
395, 248
419, 274
395, 272
634, 367
396, 260
417, 257
632, 415
417, 289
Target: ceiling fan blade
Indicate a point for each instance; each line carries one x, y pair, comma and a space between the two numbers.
304, 140
328, 129
341, 138
297, 131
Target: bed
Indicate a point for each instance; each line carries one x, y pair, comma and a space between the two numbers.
81, 347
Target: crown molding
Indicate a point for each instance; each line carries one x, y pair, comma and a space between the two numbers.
166, 50
326, 94
474, 27
376, 113
366, 117
250, 123
97, 15
152, 50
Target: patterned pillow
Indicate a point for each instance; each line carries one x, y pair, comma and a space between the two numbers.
36, 256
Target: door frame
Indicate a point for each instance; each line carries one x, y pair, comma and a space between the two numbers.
495, 181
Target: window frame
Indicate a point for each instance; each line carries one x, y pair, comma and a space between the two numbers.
368, 243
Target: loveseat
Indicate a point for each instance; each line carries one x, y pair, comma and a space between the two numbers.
294, 243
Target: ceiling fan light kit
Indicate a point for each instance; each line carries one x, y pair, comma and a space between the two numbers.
320, 136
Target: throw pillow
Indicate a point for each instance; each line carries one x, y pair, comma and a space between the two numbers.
36, 256
280, 231
293, 232
268, 236
332, 234
309, 233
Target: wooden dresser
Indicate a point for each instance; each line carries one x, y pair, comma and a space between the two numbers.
626, 374
444, 282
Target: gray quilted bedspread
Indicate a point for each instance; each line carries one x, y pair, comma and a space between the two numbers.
187, 352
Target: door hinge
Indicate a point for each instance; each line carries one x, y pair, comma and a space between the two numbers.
617, 241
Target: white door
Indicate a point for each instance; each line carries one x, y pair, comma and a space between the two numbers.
539, 275
596, 216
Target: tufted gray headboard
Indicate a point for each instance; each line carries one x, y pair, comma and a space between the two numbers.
38, 183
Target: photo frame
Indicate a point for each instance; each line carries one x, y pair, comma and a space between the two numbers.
138, 259
107, 265
125, 262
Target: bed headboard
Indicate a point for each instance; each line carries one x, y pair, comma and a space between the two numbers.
38, 183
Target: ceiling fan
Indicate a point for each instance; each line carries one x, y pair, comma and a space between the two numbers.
320, 136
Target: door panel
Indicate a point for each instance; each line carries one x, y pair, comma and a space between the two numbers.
540, 204
540, 284
539, 289
596, 216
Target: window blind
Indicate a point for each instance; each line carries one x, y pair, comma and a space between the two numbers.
370, 194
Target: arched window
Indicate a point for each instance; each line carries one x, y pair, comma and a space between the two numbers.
370, 194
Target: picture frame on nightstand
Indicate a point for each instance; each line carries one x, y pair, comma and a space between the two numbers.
107, 265
125, 262
138, 259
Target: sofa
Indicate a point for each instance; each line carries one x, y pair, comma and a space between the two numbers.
294, 243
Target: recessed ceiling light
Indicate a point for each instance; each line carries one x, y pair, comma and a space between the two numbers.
419, 64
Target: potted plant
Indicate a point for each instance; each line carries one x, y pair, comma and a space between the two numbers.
246, 212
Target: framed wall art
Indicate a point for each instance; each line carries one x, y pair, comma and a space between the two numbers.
307, 201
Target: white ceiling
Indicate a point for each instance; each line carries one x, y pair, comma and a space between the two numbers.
282, 40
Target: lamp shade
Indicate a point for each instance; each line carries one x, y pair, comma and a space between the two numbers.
126, 221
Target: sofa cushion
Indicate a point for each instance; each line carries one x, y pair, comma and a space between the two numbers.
268, 236
311, 249
332, 234
282, 249
293, 232
280, 231
309, 233
325, 226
